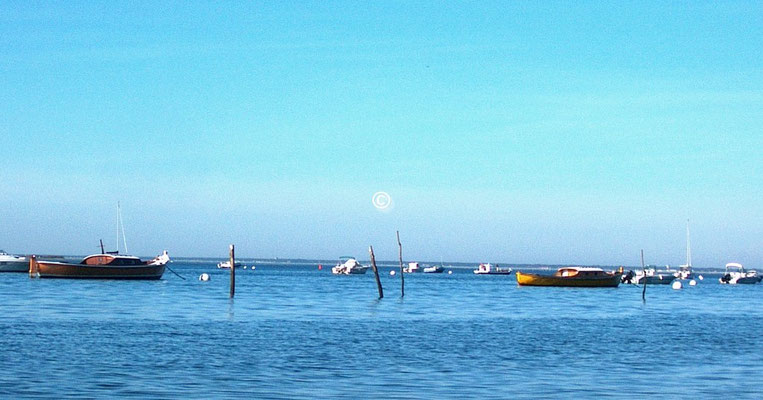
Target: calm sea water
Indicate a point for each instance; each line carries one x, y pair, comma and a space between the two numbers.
297, 332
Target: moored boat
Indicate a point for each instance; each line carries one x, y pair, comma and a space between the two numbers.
412, 268
349, 266
434, 269
13, 263
101, 266
736, 274
226, 264
490, 269
684, 272
572, 276
653, 277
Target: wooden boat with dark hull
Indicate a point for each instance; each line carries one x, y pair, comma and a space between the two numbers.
101, 266
572, 277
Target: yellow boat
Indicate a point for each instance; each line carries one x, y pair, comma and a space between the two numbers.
572, 276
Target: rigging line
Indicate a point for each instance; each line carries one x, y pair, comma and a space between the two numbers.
173, 271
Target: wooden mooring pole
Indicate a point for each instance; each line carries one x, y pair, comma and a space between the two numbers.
232, 271
402, 275
643, 269
34, 268
376, 272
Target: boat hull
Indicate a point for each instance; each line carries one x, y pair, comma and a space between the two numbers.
525, 279
44, 269
14, 266
351, 271
476, 272
748, 280
655, 280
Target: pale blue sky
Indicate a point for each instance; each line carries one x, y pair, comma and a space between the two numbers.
522, 132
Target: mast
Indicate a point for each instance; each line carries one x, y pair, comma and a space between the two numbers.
121, 223
117, 227
688, 246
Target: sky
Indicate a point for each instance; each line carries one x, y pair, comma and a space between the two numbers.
516, 132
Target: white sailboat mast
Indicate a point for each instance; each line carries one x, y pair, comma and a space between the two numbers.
688, 245
120, 223
117, 227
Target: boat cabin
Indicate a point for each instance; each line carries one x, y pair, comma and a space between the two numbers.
580, 272
412, 268
111, 259
734, 267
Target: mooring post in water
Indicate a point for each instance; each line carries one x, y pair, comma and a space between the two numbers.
34, 268
376, 271
402, 275
643, 268
232, 272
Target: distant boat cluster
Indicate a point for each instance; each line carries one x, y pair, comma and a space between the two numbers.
112, 265
580, 276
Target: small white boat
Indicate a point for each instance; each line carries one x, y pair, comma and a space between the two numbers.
736, 274
490, 269
226, 264
684, 272
349, 266
412, 268
653, 277
435, 269
12, 263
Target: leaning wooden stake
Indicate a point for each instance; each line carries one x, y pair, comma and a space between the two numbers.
232, 272
402, 275
376, 272
643, 268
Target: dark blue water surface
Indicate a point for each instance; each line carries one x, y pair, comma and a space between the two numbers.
297, 332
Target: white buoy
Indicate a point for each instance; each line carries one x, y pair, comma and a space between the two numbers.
392, 272
701, 277
692, 283
677, 285
244, 266
450, 272
204, 277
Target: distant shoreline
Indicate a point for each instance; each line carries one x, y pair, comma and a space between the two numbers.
380, 263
